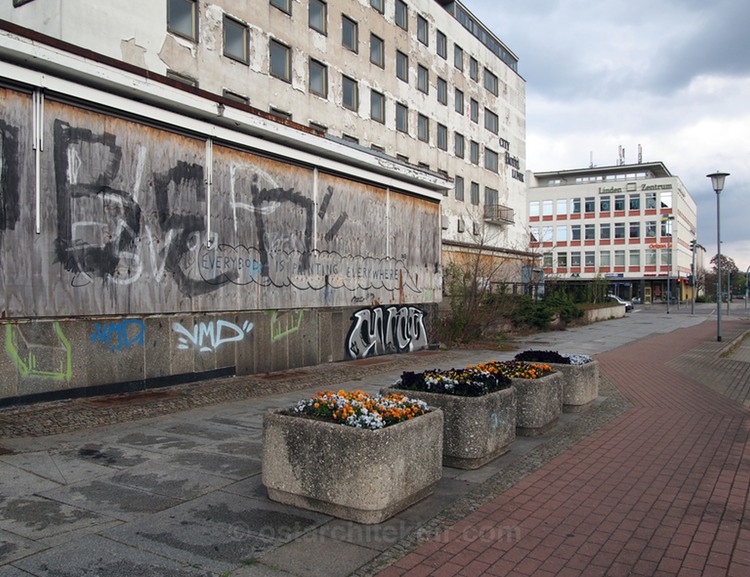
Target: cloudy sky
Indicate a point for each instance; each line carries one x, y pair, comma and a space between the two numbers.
670, 75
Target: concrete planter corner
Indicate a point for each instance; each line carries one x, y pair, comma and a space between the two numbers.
540, 403
580, 384
361, 475
476, 430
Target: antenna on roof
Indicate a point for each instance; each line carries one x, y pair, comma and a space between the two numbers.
591, 159
620, 155
640, 154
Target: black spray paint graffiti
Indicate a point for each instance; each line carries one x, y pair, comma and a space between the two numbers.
10, 210
385, 330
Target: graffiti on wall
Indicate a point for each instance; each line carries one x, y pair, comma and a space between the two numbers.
119, 335
39, 351
208, 337
285, 324
386, 329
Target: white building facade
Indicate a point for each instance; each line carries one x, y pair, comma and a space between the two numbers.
633, 225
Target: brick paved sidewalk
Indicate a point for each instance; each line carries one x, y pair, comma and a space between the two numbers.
662, 490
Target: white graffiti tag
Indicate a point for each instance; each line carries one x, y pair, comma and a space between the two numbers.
385, 330
210, 336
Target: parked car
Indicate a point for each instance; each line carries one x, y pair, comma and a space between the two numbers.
628, 304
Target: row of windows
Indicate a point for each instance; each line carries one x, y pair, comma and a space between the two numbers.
606, 204
632, 258
607, 231
182, 19
490, 194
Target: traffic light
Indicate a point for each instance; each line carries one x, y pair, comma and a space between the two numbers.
691, 280
692, 245
679, 280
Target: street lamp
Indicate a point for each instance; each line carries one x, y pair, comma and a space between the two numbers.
668, 218
717, 182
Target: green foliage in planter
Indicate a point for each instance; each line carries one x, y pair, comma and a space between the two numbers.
532, 314
462, 382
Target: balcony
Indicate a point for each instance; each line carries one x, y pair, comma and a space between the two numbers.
499, 214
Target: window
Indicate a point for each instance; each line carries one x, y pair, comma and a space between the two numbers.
635, 230
349, 34
281, 60
650, 257
402, 15
459, 145
442, 137
492, 123
474, 69
589, 232
605, 231
350, 93
318, 78
547, 208
402, 66
490, 159
490, 199
377, 51
458, 57
575, 206
534, 232
442, 45
402, 118
534, 208
379, 5
589, 258
459, 101
182, 18
666, 228
605, 258
575, 259
562, 260
490, 82
236, 40
547, 260
635, 201
589, 204
442, 91
619, 202
377, 106
664, 260
423, 79
635, 258
474, 110
575, 232
284, 5
474, 152
423, 128
562, 206
318, 16
459, 188
650, 200
665, 199
605, 204
562, 233
474, 193
423, 30
619, 230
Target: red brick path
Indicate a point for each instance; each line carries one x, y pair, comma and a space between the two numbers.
661, 490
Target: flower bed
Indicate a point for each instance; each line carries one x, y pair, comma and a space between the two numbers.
342, 459
580, 376
539, 394
479, 412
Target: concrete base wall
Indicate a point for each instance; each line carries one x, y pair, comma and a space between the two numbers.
73, 357
604, 313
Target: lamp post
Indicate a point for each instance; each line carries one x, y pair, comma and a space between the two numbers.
668, 218
717, 183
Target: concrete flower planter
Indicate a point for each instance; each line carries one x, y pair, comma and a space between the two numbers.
580, 385
476, 430
356, 474
540, 403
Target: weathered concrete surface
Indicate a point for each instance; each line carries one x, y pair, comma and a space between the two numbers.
357, 474
580, 384
540, 403
476, 430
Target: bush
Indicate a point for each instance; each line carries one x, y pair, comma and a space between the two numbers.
532, 314
533, 356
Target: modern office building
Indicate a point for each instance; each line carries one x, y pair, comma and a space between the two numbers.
633, 225
193, 188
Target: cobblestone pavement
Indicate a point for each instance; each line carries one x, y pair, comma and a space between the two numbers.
651, 480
